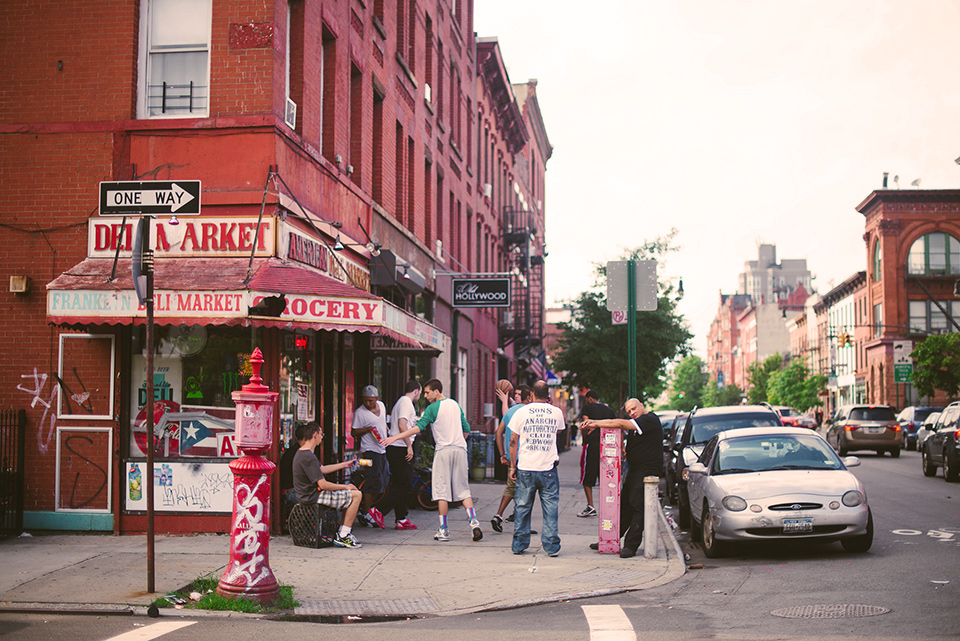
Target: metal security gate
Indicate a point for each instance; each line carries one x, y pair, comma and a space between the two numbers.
13, 424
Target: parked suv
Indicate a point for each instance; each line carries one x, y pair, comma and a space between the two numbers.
700, 427
910, 419
865, 427
942, 447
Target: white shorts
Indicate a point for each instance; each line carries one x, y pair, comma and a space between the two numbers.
450, 480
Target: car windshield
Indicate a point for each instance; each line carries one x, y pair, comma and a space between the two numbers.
871, 414
705, 427
924, 412
787, 411
761, 453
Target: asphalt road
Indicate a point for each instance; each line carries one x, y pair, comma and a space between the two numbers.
909, 583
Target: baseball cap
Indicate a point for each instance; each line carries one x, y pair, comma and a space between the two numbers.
370, 391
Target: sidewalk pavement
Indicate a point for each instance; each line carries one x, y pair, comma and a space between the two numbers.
395, 573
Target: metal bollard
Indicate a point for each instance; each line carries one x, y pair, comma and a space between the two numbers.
651, 507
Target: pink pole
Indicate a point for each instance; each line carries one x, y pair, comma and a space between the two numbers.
611, 440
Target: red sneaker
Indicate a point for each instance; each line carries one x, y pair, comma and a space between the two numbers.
374, 513
406, 524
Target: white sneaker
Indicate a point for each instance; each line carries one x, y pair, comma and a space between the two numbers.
442, 535
477, 532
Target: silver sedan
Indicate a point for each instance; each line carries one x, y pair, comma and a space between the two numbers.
776, 484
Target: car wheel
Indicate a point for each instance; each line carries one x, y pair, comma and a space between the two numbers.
950, 470
895, 453
708, 540
929, 469
862, 543
683, 508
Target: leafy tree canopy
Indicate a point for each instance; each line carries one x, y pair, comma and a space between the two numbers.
689, 379
592, 351
714, 396
795, 386
937, 365
758, 373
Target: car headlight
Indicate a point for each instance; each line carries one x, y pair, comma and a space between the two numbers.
853, 498
734, 503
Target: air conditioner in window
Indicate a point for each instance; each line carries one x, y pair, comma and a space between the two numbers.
19, 284
290, 116
427, 92
508, 318
487, 190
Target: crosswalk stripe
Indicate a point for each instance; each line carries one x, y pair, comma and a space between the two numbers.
153, 631
608, 623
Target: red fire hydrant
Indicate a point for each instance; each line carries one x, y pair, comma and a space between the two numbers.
248, 573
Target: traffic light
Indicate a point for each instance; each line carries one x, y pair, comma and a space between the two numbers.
843, 339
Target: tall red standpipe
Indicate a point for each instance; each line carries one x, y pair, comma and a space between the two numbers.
248, 573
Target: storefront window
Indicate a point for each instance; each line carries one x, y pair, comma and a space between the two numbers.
196, 369
297, 382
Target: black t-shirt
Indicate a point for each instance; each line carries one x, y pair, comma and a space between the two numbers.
286, 465
645, 450
595, 412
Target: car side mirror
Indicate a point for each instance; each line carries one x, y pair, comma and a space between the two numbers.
851, 461
700, 468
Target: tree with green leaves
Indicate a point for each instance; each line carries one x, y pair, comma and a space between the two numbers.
758, 374
592, 350
715, 396
689, 379
937, 365
795, 386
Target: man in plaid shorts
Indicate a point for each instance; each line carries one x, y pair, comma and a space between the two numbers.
312, 487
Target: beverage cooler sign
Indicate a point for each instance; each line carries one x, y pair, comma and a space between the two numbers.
481, 292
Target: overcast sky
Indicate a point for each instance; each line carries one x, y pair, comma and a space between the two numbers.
737, 122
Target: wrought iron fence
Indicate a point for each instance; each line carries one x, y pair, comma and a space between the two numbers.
13, 424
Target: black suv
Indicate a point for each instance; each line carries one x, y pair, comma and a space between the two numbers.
942, 447
700, 426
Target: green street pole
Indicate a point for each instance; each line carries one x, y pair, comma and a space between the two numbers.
632, 328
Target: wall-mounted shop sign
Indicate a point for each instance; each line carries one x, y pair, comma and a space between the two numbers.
305, 249
481, 292
203, 236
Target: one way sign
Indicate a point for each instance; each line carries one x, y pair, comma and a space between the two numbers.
180, 197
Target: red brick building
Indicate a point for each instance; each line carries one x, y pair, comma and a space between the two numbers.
353, 158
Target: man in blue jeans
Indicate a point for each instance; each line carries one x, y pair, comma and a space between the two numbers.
534, 458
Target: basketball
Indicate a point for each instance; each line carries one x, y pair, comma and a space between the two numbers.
504, 385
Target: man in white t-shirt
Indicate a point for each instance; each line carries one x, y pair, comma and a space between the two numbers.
534, 458
370, 426
400, 456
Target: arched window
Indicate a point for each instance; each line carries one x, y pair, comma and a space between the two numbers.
877, 274
934, 254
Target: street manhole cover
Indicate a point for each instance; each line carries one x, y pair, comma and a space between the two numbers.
392, 607
830, 611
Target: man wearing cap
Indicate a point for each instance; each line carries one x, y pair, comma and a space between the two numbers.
370, 426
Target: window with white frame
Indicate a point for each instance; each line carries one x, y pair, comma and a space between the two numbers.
176, 57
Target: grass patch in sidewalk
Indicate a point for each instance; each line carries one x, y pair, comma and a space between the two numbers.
201, 594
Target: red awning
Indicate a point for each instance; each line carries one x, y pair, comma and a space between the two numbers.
212, 291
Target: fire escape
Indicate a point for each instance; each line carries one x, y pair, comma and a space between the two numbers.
522, 323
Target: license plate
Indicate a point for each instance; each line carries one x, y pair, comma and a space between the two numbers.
792, 526
873, 430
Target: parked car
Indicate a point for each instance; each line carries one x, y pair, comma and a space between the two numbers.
776, 484
942, 447
865, 427
701, 425
670, 454
926, 429
910, 419
788, 415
